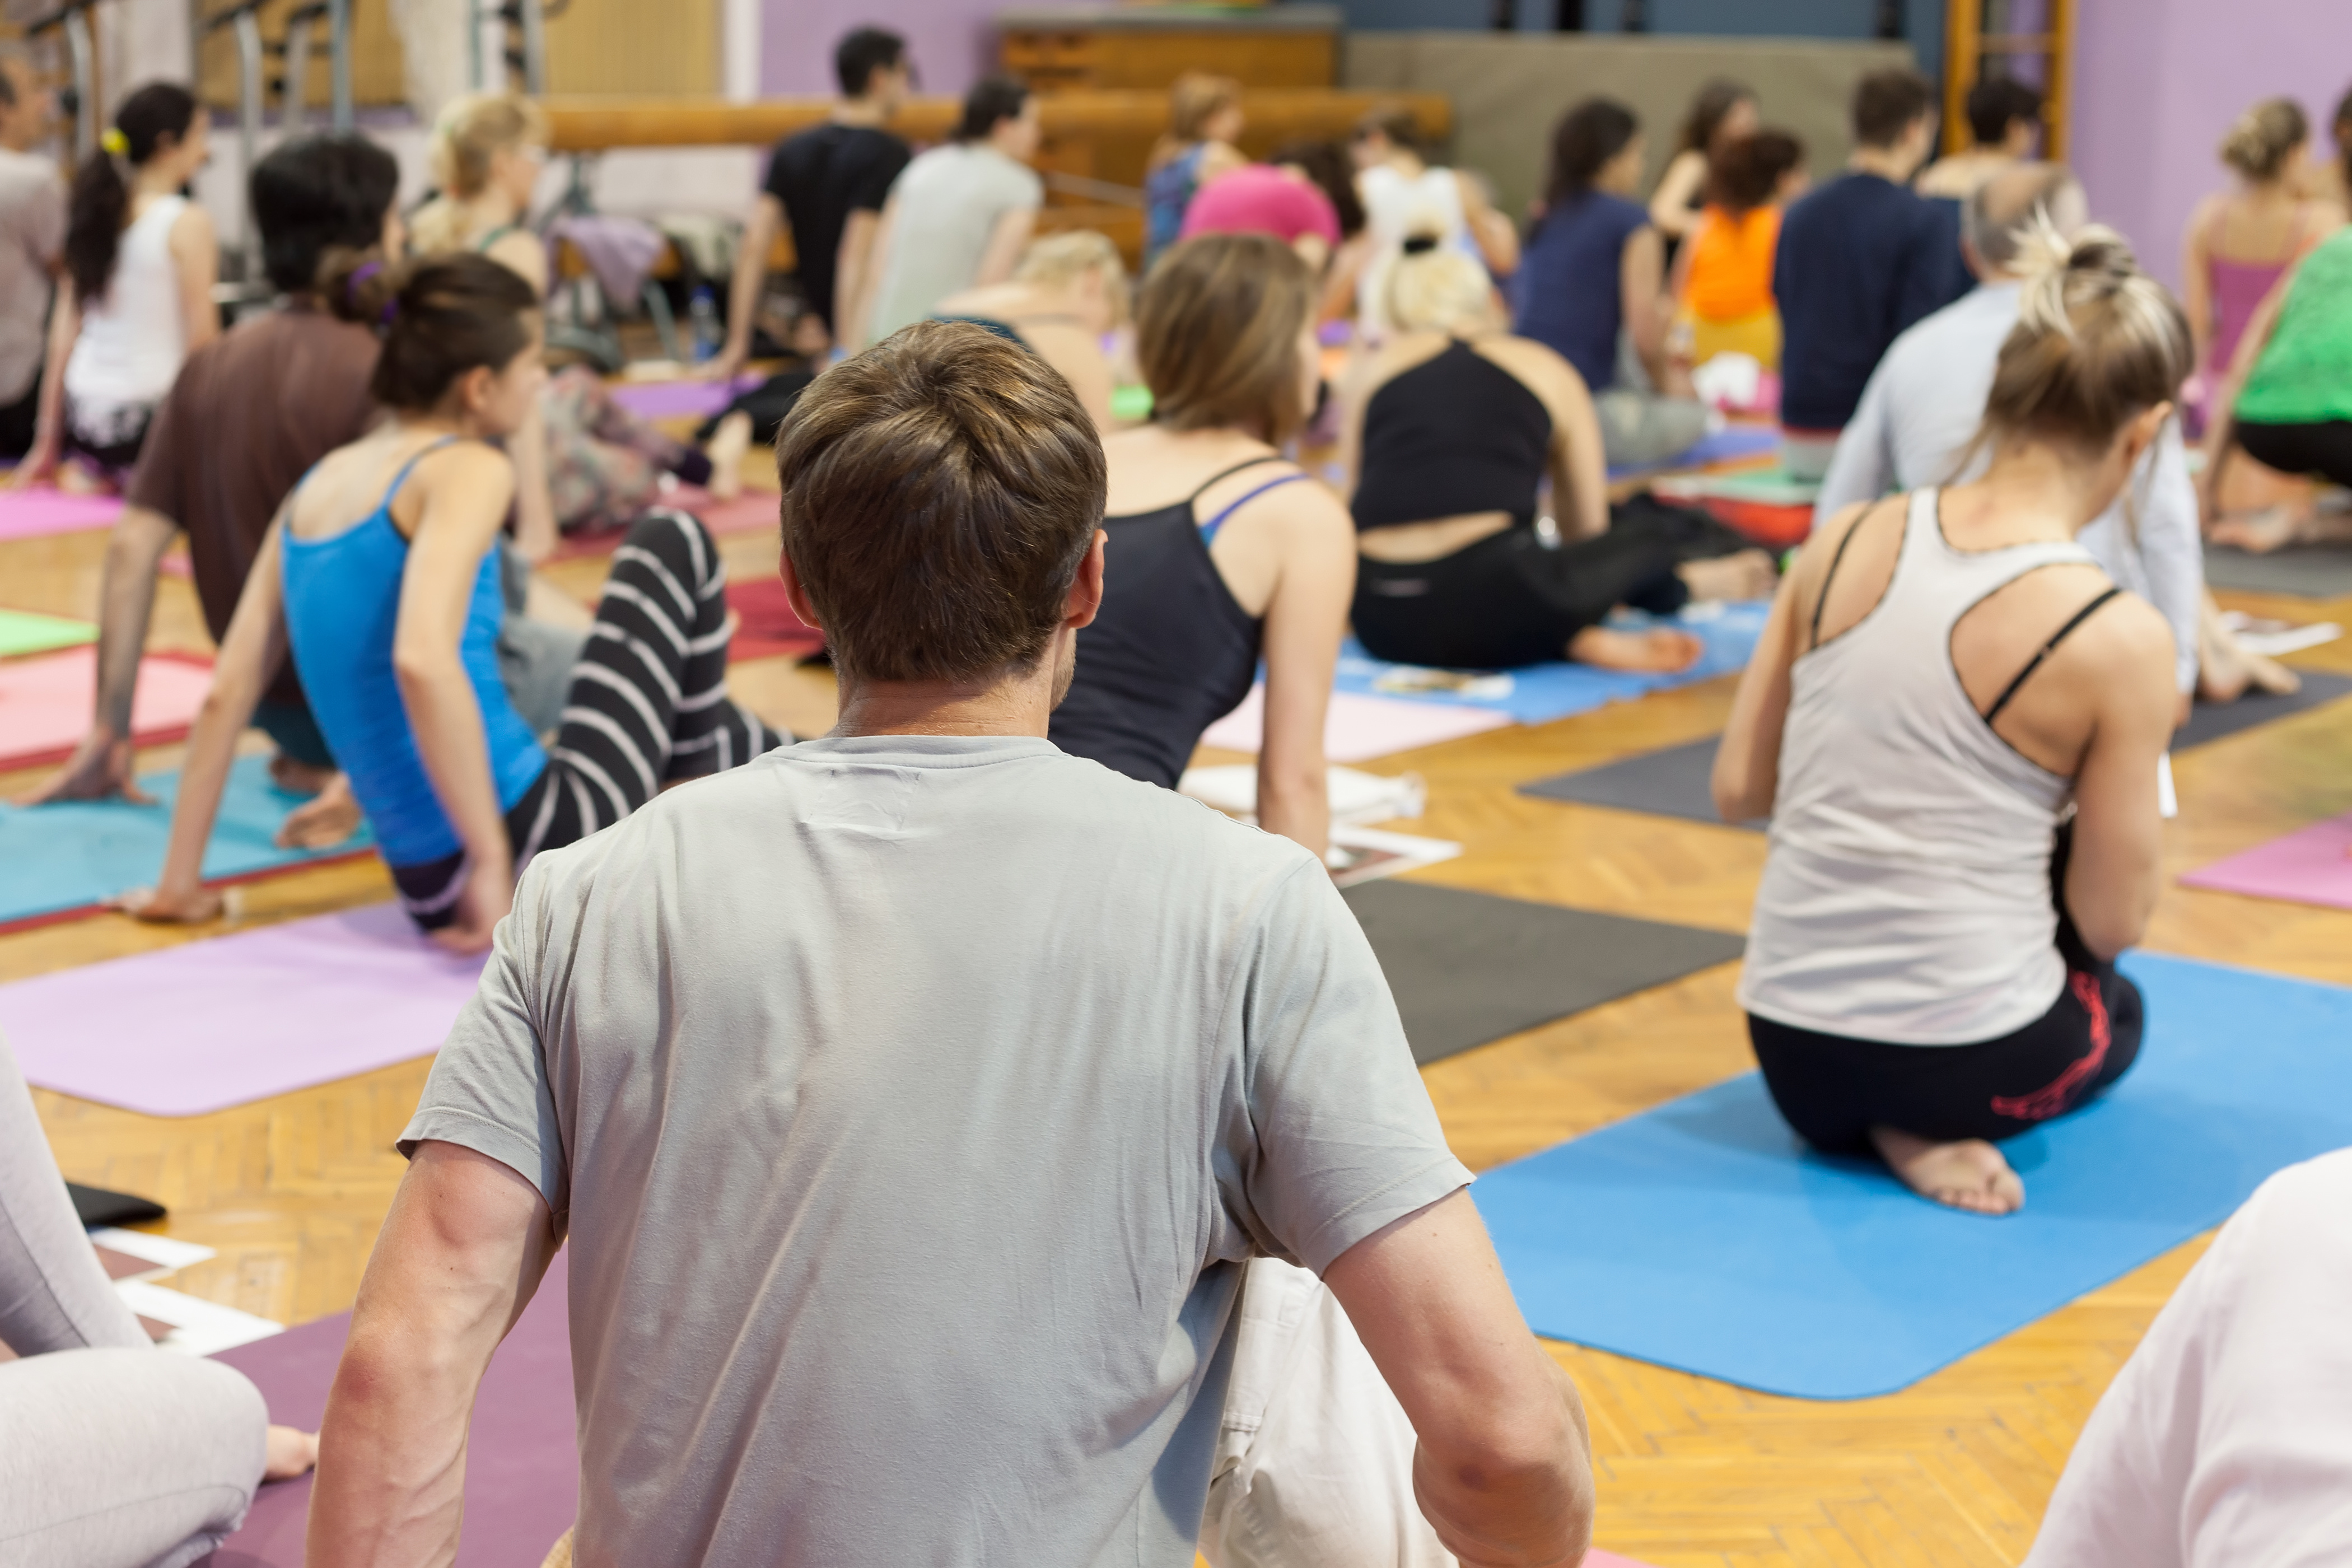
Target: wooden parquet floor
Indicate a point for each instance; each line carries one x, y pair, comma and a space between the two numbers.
1956, 1471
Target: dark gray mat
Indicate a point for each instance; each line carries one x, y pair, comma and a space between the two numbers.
2212, 721
1674, 783
1468, 968
2306, 571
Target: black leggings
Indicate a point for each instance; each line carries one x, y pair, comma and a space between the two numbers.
647, 706
1833, 1089
1511, 600
2323, 448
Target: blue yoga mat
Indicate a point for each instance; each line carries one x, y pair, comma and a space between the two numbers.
1702, 1236
81, 853
1722, 447
1543, 692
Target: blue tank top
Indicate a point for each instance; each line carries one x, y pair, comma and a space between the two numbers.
1168, 191
342, 602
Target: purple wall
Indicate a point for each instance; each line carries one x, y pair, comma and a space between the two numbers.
2156, 82
952, 41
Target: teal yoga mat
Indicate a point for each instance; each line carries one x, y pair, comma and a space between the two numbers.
1702, 1236
58, 858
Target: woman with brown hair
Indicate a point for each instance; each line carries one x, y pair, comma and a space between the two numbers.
1204, 121
1221, 551
1954, 721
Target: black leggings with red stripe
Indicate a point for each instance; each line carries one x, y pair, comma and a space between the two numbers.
1833, 1089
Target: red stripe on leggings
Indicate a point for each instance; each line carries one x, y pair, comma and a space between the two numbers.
2045, 1103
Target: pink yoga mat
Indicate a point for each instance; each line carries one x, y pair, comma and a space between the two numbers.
28, 514
675, 399
522, 1462
45, 703
2310, 866
1357, 729
208, 1024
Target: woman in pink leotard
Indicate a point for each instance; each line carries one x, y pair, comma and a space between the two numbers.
2240, 242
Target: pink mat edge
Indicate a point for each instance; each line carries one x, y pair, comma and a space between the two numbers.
2278, 869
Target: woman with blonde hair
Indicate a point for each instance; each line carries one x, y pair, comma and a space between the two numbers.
1451, 430
1954, 721
581, 461
2240, 242
1224, 552
1204, 121
1067, 292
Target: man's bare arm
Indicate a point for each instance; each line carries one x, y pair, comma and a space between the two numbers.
459, 1257
1504, 1468
101, 765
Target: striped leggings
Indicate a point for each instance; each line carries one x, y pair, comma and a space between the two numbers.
647, 707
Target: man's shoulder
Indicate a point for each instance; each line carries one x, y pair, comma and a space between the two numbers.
1970, 328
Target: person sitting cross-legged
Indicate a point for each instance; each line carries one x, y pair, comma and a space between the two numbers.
913, 1100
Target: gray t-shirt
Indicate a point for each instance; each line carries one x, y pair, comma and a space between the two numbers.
914, 1101
32, 232
949, 201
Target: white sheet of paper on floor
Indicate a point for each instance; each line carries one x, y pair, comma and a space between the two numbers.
198, 1327
2168, 800
1356, 796
2274, 640
162, 1251
1362, 853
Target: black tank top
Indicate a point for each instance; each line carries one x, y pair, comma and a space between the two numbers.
1171, 652
1456, 434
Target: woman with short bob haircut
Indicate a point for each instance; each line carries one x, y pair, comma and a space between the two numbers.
381, 575
1222, 551
1954, 720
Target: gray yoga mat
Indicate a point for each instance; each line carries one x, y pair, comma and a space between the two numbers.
1468, 968
1674, 783
2306, 571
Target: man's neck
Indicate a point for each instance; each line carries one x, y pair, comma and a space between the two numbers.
1885, 163
860, 110
1019, 705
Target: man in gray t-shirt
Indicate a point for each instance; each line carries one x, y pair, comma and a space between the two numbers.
32, 234
913, 1099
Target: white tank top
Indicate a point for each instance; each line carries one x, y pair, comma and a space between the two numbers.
1394, 208
132, 337
1906, 894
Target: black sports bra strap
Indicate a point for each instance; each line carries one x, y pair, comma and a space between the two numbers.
1830, 576
1228, 473
2047, 648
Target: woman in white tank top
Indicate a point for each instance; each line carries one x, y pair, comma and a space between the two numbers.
140, 259
1404, 196
1954, 721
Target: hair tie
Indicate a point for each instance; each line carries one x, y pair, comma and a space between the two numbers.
1420, 243
115, 142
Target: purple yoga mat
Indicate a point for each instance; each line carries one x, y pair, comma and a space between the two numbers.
673, 399
522, 1464
208, 1024
2310, 866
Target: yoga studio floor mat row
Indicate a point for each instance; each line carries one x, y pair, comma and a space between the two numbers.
1543, 692
45, 703
1673, 782
220, 1022
77, 855
522, 1460
1466, 968
1702, 1236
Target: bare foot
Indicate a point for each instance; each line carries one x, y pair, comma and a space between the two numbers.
1968, 1174
290, 1453
1658, 648
2225, 668
728, 445
2257, 532
1743, 574
326, 820
299, 778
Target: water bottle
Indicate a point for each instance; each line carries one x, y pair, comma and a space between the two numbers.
702, 311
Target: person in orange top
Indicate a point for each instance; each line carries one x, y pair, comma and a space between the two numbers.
1723, 278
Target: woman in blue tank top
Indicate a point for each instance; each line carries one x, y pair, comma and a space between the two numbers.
381, 575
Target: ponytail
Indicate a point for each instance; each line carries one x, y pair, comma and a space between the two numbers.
100, 209
439, 318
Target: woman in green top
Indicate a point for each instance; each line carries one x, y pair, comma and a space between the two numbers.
2288, 399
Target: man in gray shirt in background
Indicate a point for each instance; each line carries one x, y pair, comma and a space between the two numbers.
32, 233
913, 1098
1925, 401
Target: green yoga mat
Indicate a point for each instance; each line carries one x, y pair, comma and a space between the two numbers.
23, 632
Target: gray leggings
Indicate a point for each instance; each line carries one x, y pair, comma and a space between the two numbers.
112, 1454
